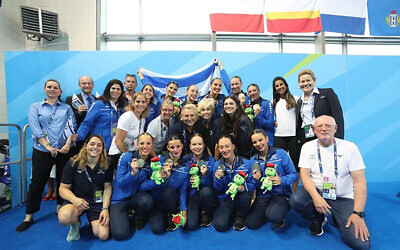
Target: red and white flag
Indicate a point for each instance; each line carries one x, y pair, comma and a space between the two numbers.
237, 16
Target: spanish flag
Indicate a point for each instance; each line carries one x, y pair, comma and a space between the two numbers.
293, 16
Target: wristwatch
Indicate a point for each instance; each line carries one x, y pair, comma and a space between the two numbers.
361, 214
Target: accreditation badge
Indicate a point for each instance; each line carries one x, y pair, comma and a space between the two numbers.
328, 188
113, 128
308, 131
98, 195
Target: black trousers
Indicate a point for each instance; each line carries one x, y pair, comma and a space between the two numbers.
289, 144
264, 209
202, 201
142, 202
113, 161
168, 205
240, 206
42, 162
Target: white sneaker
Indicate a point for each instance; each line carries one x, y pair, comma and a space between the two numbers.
73, 234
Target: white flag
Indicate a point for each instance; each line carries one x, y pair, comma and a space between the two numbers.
76, 102
69, 128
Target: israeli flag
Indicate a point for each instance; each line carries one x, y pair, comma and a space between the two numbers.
76, 102
69, 128
201, 78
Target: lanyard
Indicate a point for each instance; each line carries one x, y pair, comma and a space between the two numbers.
334, 158
258, 159
162, 128
88, 176
53, 115
235, 160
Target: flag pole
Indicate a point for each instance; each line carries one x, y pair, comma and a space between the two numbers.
320, 43
214, 41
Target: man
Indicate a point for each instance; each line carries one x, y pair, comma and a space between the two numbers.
130, 86
80, 107
160, 127
314, 103
86, 99
332, 173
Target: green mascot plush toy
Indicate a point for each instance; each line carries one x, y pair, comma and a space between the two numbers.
177, 107
178, 219
238, 180
266, 181
249, 112
194, 171
156, 167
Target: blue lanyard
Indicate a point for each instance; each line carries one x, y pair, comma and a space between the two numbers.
53, 115
88, 177
235, 160
334, 158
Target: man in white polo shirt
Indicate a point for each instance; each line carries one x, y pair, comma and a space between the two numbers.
160, 127
332, 173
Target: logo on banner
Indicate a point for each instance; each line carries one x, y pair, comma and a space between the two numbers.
393, 19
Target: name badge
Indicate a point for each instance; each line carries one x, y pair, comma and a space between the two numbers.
328, 189
308, 131
113, 128
98, 195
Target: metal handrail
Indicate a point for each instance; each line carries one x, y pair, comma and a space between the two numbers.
24, 159
19, 161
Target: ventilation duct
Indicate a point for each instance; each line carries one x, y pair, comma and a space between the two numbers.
39, 23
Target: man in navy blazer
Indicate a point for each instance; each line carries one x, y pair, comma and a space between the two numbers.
314, 103
86, 99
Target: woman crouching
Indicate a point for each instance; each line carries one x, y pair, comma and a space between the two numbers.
86, 188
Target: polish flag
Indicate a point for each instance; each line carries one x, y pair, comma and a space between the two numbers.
293, 16
237, 16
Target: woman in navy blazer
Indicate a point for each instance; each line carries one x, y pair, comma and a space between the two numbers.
314, 103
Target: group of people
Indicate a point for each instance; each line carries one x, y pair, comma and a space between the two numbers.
139, 157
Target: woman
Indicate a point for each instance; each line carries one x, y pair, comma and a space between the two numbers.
130, 126
86, 188
188, 125
170, 89
214, 93
192, 94
172, 192
210, 123
285, 112
103, 116
270, 205
47, 121
314, 103
263, 112
152, 102
224, 172
200, 198
238, 125
133, 169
